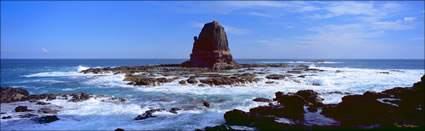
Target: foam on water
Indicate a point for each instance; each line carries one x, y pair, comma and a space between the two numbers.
95, 114
299, 62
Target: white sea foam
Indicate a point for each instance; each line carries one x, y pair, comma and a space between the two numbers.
299, 62
94, 114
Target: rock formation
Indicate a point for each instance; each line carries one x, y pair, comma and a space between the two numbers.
211, 49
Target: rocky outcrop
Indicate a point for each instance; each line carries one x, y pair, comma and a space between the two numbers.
12, 95
397, 108
211, 49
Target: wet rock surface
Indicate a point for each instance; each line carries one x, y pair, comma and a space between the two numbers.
46, 119
235, 79
22, 109
396, 108
24, 105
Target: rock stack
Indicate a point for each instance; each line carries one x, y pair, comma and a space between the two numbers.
211, 49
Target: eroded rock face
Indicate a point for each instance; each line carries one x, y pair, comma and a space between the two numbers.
211, 49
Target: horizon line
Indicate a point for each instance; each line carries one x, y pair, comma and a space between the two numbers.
234, 58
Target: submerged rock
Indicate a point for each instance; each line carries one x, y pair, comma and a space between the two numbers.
28, 115
211, 49
275, 76
46, 119
22, 109
262, 100
6, 117
47, 111
206, 104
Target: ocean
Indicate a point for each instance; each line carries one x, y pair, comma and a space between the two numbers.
62, 76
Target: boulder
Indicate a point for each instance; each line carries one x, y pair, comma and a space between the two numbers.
237, 117
6, 117
275, 76
192, 80
310, 96
206, 104
46, 119
22, 109
211, 49
47, 111
12, 94
28, 115
262, 100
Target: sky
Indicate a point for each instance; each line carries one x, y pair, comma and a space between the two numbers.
255, 29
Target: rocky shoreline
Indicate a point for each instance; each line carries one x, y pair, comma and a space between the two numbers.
37, 107
396, 108
156, 75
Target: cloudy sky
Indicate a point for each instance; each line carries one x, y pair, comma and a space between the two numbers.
258, 29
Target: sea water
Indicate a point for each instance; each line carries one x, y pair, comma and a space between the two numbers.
62, 76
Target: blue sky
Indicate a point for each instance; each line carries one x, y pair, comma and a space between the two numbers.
255, 29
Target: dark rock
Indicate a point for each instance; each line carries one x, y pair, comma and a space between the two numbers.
312, 109
182, 82
22, 109
47, 111
262, 100
311, 96
192, 80
145, 115
12, 94
77, 97
275, 76
278, 111
316, 84
28, 115
46, 119
383, 72
174, 110
41, 103
235, 79
211, 50
206, 104
292, 103
358, 110
6, 117
237, 117
269, 82
294, 72
51, 96
119, 129
301, 76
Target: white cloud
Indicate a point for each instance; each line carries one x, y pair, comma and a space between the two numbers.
259, 14
43, 50
197, 24
409, 18
254, 4
235, 30
268, 8
390, 25
269, 43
